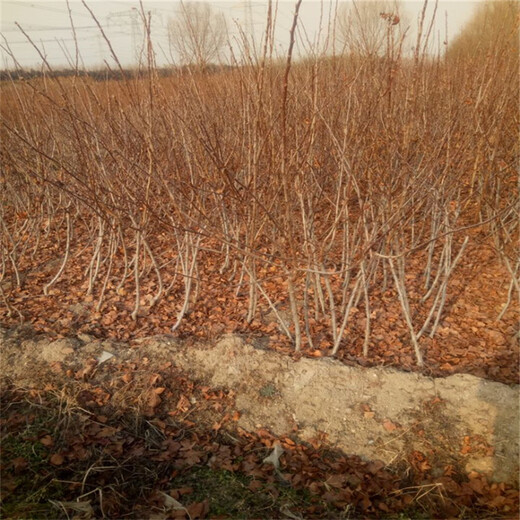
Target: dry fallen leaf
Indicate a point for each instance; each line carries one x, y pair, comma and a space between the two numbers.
154, 378
46, 440
198, 509
108, 431
57, 459
183, 404
389, 426
255, 485
19, 464
336, 481
153, 400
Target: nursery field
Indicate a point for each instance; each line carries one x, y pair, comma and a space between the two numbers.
363, 209
326, 209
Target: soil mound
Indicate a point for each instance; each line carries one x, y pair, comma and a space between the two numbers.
376, 413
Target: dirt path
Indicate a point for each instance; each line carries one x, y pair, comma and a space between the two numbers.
397, 417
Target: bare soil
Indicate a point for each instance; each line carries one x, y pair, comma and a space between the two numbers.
377, 413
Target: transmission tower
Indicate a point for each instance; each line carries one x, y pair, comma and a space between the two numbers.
248, 19
132, 17
124, 18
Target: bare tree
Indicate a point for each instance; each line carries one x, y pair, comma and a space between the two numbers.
493, 26
363, 26
197, 34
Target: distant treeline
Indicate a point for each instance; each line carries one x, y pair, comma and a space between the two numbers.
106, 73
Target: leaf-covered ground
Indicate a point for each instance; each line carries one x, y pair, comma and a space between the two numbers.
84, 450
470, 339
129, 442
79, 449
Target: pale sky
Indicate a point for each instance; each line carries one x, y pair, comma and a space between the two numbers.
47, 23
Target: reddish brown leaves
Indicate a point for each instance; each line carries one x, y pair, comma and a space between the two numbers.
198, 509
468, 338
175, 439
19, 464
47, 441
56, 459
389, 426
183, 404
419, 461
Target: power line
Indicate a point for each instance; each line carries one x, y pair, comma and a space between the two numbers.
39, 29
46, 8
49, 40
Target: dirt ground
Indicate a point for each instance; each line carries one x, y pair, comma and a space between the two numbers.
376, 413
